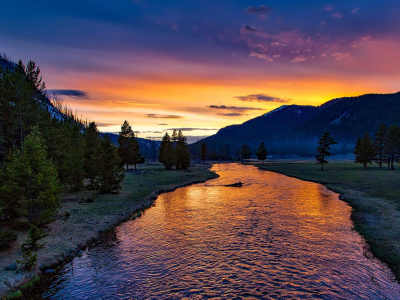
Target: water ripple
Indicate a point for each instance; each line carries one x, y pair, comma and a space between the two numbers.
274, 238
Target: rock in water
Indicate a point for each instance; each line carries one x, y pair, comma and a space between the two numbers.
237, 184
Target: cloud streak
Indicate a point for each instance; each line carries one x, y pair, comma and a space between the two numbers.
234, 108
156, 116
261, 10
70, 93
190, 129
263, 98
231, 114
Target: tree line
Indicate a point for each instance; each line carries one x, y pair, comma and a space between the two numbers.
383, 148
174, 151
42, 154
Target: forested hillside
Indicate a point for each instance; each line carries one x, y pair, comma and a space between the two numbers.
295, 129
44, 149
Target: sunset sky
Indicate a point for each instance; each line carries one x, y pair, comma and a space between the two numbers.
203, 65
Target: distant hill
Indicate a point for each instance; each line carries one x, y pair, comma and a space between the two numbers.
295, 129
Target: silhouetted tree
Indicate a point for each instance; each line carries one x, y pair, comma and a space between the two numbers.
246, 152
379, 144
167, 155
392, 145
364, 150
124, 144
262, 152
324, 144
137, 157
92, 144
129, 149
182, 152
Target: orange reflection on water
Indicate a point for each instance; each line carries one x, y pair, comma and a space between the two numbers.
276, 237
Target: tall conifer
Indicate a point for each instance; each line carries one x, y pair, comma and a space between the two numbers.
166, 155
30, 183
323, 148
92, 144
262, 152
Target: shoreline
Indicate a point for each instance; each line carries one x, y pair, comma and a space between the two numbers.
374, 218
69, 236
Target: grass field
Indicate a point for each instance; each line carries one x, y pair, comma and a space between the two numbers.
78, 222
374, 195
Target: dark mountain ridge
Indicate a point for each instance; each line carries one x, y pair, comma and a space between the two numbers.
295, 129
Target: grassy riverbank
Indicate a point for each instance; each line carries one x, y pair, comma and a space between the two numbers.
373, 194
77, 222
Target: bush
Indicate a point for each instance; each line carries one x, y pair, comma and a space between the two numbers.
31, 243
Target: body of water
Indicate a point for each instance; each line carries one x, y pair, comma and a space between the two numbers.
274, 238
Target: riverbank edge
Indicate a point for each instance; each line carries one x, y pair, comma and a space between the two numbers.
75, 250
359, 216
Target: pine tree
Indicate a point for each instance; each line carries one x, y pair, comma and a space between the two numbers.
182, 152
125, 143
174, 137
324, 144
111, 173
30, 183
129, 148
246, 152
392, 145
136, 156
203, 152
167, 155
92, 144
379, 143
262, 152
21, 105
364, 150
76, 160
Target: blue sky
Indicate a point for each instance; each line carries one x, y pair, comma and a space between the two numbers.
197, 64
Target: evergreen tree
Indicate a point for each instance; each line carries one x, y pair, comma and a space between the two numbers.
76, 161
203, 152
111, 173
92, 144
174, 137
125, 148
21, 106
182, 152
167, 155
136, 157
379, 144
364, 150
246, 152
30, 185
392, 145
129, 149
262, 152
324, 144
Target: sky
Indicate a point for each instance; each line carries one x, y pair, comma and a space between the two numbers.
199, 66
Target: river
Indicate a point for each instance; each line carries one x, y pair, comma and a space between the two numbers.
274, 238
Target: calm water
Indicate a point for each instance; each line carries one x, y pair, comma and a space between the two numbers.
276, 237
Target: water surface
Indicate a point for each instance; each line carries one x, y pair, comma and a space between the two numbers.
275, 238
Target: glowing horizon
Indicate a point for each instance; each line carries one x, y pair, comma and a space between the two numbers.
203, 66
